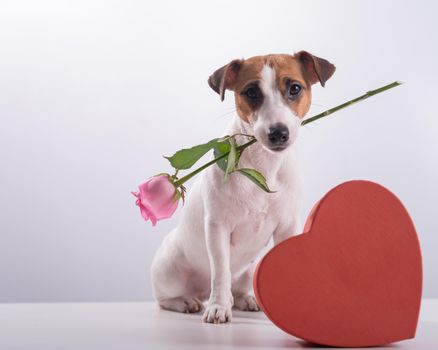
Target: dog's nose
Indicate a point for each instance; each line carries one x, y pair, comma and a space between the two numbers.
278, 134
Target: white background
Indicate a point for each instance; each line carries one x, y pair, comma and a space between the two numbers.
93, 93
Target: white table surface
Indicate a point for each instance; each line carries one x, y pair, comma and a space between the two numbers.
64, 326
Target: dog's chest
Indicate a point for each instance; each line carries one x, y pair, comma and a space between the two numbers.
254, 229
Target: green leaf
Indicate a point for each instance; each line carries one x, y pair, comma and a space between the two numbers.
185, 158
232, 158
256, 177
220, 149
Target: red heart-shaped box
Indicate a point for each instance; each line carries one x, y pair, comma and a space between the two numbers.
354, 278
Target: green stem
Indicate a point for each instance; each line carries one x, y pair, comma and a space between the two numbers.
206, 165
351, 102
304, 122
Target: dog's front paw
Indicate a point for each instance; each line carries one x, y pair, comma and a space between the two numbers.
216, 313
246, 302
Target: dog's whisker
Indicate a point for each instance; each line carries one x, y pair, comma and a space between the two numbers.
226, 114
319, 105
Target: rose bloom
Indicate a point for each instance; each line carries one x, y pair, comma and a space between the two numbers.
157, 198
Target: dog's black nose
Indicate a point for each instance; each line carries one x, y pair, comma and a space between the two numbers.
278, 134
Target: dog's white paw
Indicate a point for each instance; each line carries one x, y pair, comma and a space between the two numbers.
246, 302
184, 305
216, 313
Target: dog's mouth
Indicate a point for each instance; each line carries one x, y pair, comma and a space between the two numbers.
277, 149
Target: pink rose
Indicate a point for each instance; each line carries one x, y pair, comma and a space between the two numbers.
157, 198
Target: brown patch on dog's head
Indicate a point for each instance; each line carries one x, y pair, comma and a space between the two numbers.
244, 78
315, 68
225, 77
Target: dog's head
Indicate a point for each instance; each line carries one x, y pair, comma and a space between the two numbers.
272, 93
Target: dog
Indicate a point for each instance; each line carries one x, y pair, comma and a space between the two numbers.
224, 225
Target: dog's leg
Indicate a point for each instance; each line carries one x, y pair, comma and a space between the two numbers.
171, 289
241, 288
182, 304
219, 305
170, 280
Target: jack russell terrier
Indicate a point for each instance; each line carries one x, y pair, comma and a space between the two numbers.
210, 255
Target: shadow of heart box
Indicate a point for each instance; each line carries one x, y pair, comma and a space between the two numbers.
353, 278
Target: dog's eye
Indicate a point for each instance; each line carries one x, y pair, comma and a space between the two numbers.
294, 90
252, 93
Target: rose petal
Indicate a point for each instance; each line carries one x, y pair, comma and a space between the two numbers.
156, 198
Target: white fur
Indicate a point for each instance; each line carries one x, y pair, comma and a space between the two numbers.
210, 255
274, 110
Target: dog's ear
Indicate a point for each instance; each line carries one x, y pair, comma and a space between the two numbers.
315, 68
225, 77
